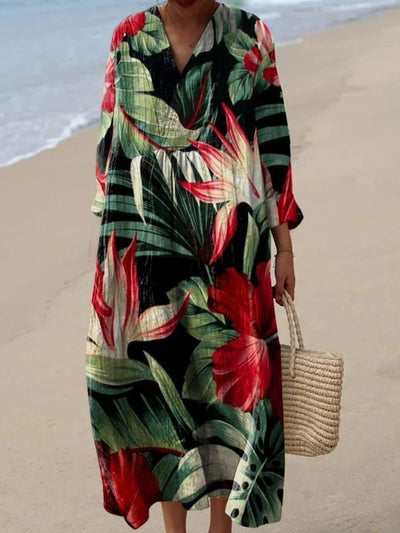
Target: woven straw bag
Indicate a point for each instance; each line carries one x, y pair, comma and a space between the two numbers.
312, 386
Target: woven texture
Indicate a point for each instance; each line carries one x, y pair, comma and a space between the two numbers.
312, 386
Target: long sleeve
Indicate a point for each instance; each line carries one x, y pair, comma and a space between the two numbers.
103, 152
273, 134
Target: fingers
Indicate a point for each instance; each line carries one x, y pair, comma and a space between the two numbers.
289, 286
278, 291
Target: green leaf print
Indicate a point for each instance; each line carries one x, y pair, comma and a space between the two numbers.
148, 426
105, 123
152, 39
240, 84
250, 246
199, 321
170, 393
257, 492
199, 384
238, 44
200, 468
261, 218
268, 110
189, 98
272, 133
113, 371
191, 478
166, 471
226, 432
162, 125
132, 76
176, 224
133, 141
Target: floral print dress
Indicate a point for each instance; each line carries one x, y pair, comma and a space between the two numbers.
183, 358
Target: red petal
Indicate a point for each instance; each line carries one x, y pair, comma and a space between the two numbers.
163, 330
109, 87
210, 191
263, 34
287, 207
240, 143
132, 283
101, 178
233, 296
216, 160
224, 229
130, 26
253, 59
242, 372
270, 74
104, 312
129, 486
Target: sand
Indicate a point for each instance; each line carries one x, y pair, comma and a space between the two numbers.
342, 92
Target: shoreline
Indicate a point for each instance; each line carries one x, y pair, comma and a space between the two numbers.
341, 91
54, 143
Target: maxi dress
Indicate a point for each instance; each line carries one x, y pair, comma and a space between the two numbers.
183, 358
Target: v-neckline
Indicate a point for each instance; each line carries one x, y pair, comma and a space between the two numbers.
170, 50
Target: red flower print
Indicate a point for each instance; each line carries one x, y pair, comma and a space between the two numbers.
287, 207
130, 26
116, 305
109, 87
270, 75
259, 53
245, 367
129, 486
240, 179
102, 176
252, 60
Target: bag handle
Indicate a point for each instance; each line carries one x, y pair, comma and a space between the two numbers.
294, 330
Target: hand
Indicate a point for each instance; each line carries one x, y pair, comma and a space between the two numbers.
284, 275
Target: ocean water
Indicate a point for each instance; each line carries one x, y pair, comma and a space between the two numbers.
53, 53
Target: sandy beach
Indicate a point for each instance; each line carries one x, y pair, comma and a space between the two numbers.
342, 92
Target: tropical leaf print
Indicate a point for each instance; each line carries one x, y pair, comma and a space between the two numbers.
162, 126
257, 492
160, 129
105, 123
199, 384
133, 76
193, 95
250, 246
170, 222
116, 320
240, 84
116, 372
242, 368
183, 360
152, 39
238, 44
148, 426
124, 473
211, 329
170, 393
199, 320
200, 469
240, 179
191, 478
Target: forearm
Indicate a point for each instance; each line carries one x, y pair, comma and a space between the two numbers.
282, 239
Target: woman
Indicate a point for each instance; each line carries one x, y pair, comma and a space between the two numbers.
183, 359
